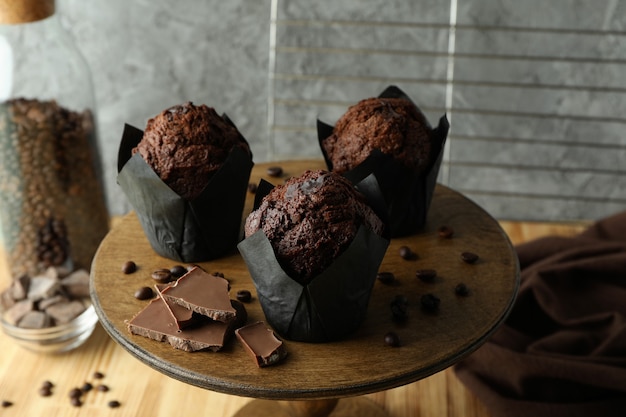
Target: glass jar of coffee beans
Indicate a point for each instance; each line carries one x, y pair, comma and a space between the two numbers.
53, 213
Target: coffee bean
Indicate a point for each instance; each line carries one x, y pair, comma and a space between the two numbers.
162, 276
399, 306
47, 384
275, 171
430, 302
426, 275
178, 271
129, 267
76, 393
76, 401
102, 388
392, 339
45, 391
6, 404
445, 232
114, 404
386, 277
244, 296
219, 274
469, 257
461, 289
252, 187
406, 253
87, 387
144, 293
98, 375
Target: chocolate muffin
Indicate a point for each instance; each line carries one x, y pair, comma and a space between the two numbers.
394, 126
186, 144
310, 220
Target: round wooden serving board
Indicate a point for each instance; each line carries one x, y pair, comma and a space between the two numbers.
360, 364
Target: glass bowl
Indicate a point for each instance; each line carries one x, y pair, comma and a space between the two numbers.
55, 339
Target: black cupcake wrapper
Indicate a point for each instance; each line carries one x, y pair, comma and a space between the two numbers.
334, 303
197, 230
407, 195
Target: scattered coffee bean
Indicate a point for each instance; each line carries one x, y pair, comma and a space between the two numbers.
6, 404
162, 276
114, 404
426, 275
275, 171
469, 257
75, 393
386, 277
445, 232
178, 271
98, 375
45, 391
407, 253
144, 293
399, 306
76, 401
244, 296
87, 387
252, 187
102, 388
461, 289
430, 302
47, 384
392, 339
129, 267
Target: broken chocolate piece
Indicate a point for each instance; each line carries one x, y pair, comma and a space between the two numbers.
42, 287
261, 343
34, 320
156, 322
203, 293
181, 315
77, 283
65, 312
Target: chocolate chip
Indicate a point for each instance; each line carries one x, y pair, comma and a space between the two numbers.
399, 306
392, 339
144, 293
178, 271
430, 302
426, 275
252, 187
469, 257
114, 404
129, 267
244, 296
445, 232
6, 404
162, 276
87, 387
98, 375
461, 289
75, 393
406, 253
275, 171
102, 388
386, 277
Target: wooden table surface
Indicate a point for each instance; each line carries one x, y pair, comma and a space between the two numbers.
143, 391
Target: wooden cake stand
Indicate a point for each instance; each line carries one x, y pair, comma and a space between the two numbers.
312, 379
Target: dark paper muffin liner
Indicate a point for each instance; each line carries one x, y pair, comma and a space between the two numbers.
197, 230
407, 194
332, 305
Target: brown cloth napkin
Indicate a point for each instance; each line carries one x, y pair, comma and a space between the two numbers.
562, 350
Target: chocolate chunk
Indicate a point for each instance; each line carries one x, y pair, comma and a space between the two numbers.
35, 320
181, 315
407, 253
144, 293
129, 267
426, 275
65, 312
262, 344
14, 314
275, 171
42, 287
76, 284
392, 339
386, 277
162, 276
59, 298
19, 288
469, 257
244, 296
445, 232
156, 322
203, 293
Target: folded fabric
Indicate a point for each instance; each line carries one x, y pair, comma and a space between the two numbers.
562, 350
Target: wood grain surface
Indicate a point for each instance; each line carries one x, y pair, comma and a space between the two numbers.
143, 391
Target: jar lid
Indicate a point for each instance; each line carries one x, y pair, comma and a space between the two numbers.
24, 11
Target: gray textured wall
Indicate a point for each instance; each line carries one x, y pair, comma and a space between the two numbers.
535, 90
